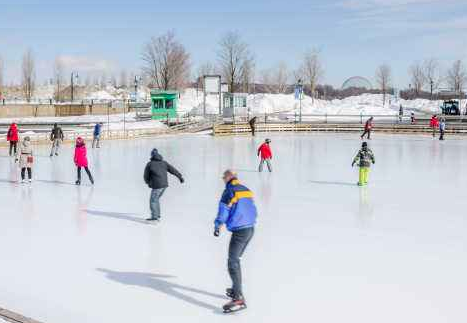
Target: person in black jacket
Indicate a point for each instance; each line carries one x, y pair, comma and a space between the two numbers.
56, 136
252, 123
155, 176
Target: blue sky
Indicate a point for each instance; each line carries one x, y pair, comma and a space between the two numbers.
354, 36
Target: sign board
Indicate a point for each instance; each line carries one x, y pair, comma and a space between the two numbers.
212, 84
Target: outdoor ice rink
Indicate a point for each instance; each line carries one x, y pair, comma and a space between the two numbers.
325, 250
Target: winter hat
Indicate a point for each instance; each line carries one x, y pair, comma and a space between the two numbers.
364, 144
268, 141
79, 141
154, 153
27, 138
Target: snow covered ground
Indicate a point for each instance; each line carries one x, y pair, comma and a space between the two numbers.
324, 250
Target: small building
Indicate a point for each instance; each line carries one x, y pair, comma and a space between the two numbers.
235, 104
164, 104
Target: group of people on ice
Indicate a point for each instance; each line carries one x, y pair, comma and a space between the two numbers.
24, 154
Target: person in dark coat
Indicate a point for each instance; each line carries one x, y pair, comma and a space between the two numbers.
155, 176
252, 123
56, 136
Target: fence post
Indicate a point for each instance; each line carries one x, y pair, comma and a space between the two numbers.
326, 118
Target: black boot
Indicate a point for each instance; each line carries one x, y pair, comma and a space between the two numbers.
78, 182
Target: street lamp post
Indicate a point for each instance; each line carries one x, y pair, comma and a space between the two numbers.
299, 90
73, 75
431, 89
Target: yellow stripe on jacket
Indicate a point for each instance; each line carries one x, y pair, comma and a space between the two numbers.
240, 195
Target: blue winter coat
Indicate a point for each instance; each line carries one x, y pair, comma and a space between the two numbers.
97, 129
237, 210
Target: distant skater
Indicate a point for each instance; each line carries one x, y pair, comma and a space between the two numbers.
434, 124
12, 137
252, 123
442, 129
412, 118
368, 128
237, 211
155, 176
265, 153
401, 113
25, 159
364, 159
96, 141
56, 137
81, 160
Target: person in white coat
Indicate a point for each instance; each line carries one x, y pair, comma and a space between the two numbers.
25, 158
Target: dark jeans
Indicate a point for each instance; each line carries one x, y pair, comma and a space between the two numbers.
238, 243
23, 172
253, 129
441, 135
366, 132
87, 172
13, 145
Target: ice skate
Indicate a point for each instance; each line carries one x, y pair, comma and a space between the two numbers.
78, 182
235, 305
229, 293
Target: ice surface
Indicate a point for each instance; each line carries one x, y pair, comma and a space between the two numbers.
324, 250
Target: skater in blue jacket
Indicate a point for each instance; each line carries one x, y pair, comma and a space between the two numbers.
237, 211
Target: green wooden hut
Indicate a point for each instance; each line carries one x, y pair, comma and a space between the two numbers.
164, 104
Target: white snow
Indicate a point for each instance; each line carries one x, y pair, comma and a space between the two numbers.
324, 250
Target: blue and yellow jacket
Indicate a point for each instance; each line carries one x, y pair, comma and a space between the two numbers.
237, 210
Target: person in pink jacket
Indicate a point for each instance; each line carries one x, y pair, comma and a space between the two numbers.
81, 160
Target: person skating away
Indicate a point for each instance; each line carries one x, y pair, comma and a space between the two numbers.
264, 152
56, 136
252, 123
237, 211
81, 160
25, 159
155, 176
434, 124
364, 158
368, 128
401, 113
412, 118
442, 129
12, 137
96, 141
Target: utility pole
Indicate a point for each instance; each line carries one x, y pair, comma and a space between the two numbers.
431, 90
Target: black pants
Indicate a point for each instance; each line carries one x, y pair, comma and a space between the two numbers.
23, 172
238, 243
87, 172
367, 131
13, 145
441, 135
252, 130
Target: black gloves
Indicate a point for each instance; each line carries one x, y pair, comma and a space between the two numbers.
216, 232
182, 180
353, 164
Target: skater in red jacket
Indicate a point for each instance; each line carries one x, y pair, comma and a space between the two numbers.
12, 137
264, 151
81, 160
434, 124
368, 127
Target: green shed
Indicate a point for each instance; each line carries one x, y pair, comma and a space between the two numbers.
164, 104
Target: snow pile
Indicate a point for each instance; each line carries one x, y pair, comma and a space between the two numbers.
191, 102
101, 95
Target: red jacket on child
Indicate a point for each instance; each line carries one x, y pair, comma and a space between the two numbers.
81, 159
434, 123
265, 151
12, 134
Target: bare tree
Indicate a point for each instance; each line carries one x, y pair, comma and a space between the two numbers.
312, 69
103, 80
431, 70
113, 80
457, 76
383, 79
417, 76
123, 79
166, 63
276, 78
248, 75
28, 75
59, 78
234, 57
